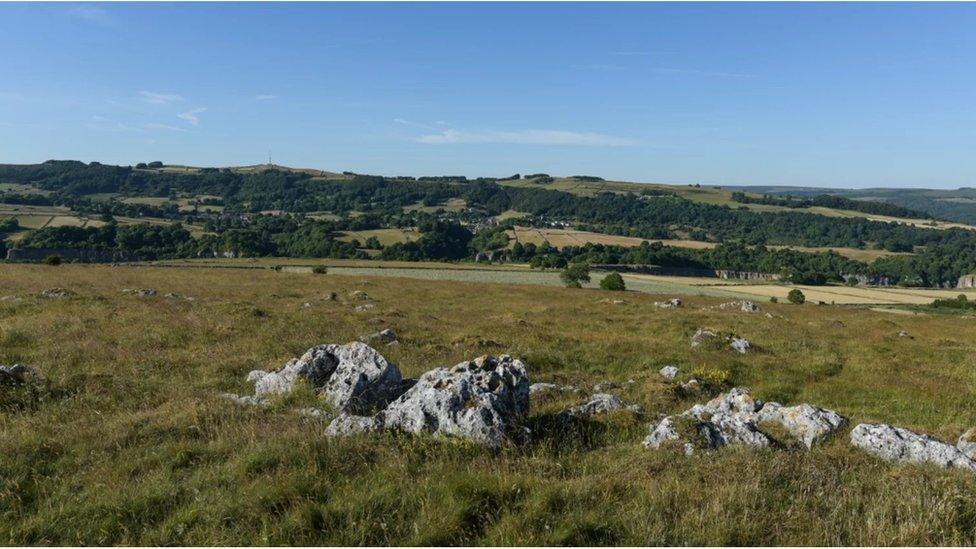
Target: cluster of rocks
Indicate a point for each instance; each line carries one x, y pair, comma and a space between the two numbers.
672, 303
143, 292
56, 293
738, 344
387, 336
485, 400
599, 403
18, 374
737, 418
543, 388
744, 306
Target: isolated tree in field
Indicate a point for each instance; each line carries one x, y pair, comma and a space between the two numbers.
613, 282
796, 296
575, 275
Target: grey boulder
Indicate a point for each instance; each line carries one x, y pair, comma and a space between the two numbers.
898, 445
352, 377
485, 400
668, 372
808, 424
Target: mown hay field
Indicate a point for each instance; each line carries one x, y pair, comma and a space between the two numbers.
129, 442
560, 238
386, 237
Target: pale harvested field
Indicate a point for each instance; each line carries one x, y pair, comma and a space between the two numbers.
522, 274
856, 254
843, 295
452, 205
385, 236
560, 238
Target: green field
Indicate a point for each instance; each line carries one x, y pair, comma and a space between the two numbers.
128, 443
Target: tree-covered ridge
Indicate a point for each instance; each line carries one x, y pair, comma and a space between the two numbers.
832, 201
361, 202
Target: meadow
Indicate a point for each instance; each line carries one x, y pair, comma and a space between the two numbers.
129, 443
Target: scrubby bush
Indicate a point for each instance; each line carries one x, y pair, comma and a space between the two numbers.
613, 282
53, 260
796, 296
320, 269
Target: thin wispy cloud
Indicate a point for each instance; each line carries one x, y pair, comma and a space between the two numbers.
158, 98
92, 14
191, 116
412, 124
265, 97
102, 125
697, 72
598, 67
525, 137
164, 127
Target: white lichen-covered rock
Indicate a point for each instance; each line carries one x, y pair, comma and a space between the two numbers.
808, 424
691, 386
702, 335
737, 418
543, 388
351, 377
740, 344
672, 303
387, 336
668, 372
899, 445
56, 293
724, 429
967, 443
744, 306
348, 424
599, 404
485, 400
661, 433
362, 380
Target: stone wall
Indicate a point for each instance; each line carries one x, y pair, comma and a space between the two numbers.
686, 271
78, 255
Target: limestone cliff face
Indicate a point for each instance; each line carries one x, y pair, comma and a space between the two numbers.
966, 281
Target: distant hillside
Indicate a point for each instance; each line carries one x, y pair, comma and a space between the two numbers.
957, 205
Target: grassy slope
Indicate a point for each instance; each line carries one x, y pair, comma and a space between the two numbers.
132, 446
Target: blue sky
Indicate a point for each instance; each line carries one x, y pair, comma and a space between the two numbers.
837, 95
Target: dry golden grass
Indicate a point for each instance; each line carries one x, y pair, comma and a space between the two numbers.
560, 238
131, 445
385, 236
